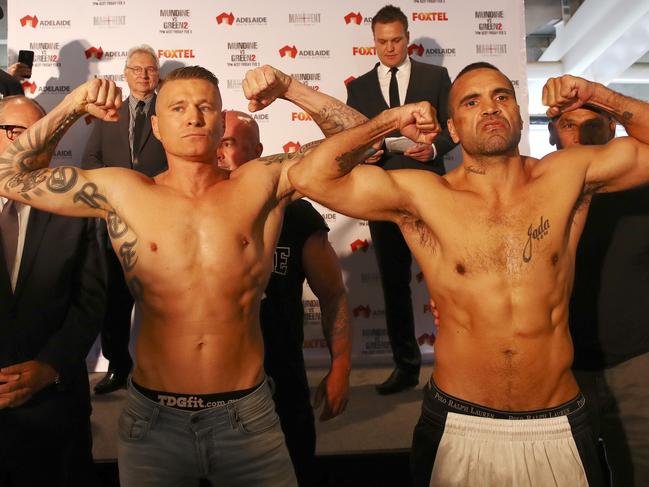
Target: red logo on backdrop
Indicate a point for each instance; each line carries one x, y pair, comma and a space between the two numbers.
29, 20
291, 147
429, 16
420, 276
98, 52
228, 18
359, 244
288, 51
363, 51
356, 18
29, 87
349, 80
426, 338
361, 310
417, 49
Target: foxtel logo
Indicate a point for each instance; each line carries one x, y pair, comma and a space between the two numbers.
300, 116
355, 18
176, 53
359, 244
291, 147
29, 86
228, 18
415, 49
364, 51
288, 51
98, 52
361, 310
426, 338
28, 19
429, 16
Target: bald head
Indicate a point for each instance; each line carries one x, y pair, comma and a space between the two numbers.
240, 142
17, 113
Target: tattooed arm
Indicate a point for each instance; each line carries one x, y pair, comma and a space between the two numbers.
323, 274
24, 175
622, 163
264, 85
329, 174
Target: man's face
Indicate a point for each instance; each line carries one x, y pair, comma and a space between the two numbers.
188, 119
581, 127
20, 113
240, 142
391, 42
141, 74
486, 118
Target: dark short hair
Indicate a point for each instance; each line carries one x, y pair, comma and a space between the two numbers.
589, 107
191, 72
389, 14
472, 67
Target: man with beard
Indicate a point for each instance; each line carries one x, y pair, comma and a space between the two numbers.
499, 235
609, 309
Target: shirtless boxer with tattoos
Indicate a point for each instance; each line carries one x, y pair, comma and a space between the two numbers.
198, 405
499, 235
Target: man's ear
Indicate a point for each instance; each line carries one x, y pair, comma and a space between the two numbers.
554, 140
451, 130
154, 126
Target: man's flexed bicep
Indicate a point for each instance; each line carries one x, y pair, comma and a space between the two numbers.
621, 164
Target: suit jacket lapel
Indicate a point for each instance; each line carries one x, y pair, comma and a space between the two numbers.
374, 89
33, 238
147, 126
5, 284
411, 92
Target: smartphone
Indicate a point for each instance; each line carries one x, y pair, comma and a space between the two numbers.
27, 58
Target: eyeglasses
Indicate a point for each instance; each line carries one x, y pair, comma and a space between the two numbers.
13, 131
139, 70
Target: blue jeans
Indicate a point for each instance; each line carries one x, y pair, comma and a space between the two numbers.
238, 444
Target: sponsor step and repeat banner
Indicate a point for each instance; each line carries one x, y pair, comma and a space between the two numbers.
324, 45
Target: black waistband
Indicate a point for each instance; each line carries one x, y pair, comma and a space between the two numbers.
443, 402
193, 402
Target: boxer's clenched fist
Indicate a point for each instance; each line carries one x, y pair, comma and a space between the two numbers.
100, 98
263, 85
418, 122
566, 93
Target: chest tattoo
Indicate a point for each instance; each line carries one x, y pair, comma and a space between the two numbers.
535, 233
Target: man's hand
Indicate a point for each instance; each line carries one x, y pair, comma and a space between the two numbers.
418, 122
566, 93
20, 71
100, 98
263, 85
374, 158
420, 152
334, 389
19, 382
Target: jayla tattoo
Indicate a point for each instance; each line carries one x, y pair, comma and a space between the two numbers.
62, 179
535, 233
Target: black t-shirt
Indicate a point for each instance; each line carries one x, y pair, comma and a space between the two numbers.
9, 85
609, 310
281, 311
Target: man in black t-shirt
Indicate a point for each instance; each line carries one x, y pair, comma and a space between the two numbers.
609, 309
302, 252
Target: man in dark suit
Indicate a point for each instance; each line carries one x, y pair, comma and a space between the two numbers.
52, 298
128, 143
394, 81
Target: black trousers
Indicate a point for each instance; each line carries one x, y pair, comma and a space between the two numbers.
284, 363
116, 328
394, 261
47, 442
